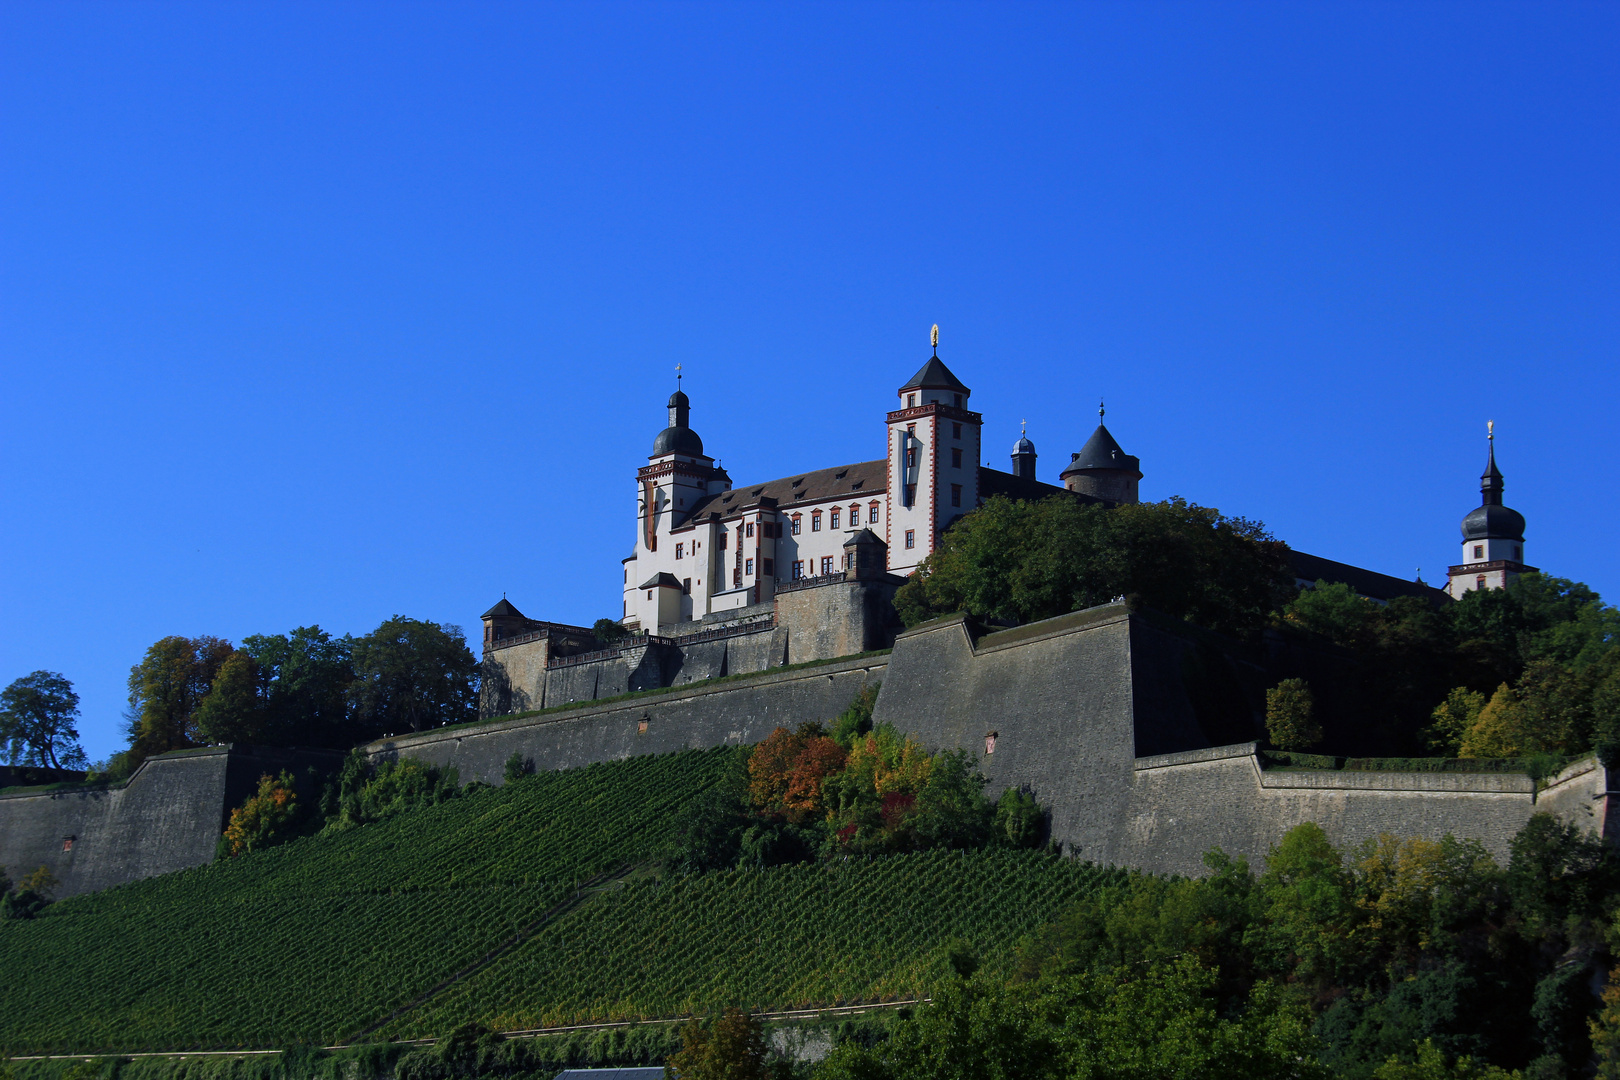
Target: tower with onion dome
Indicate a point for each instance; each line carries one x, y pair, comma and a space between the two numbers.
1493, 535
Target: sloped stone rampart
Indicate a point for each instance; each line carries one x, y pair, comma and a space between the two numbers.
735, 712
168, 816
1074, 701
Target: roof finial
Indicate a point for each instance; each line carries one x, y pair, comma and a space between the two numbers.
1023, 427
933, 338
1100, 409
1490, 430
677, 376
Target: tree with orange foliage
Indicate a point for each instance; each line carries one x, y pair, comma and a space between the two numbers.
785, 772
268, 817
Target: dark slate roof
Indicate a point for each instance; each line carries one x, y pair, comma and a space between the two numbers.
1023, 445
934, 375
679, 400
1102, 452
1366, 582
503, 608
849, 482
1493, 523
677, 440
864, 536
996, 482
660, 580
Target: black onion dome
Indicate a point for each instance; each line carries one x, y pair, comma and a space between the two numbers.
1493, 523
677, 440
679, 400
1023, 445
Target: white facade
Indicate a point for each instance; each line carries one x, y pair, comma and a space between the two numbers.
704, 547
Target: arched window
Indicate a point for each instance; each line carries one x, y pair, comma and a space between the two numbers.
796, 521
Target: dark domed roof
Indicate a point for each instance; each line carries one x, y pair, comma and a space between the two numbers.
679, 400
1493, 523
1023, 445
677, 440
1102, 452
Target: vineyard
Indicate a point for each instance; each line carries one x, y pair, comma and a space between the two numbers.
788, 937
328, 937
315, 940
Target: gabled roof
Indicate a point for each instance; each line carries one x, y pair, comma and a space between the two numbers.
854, 483
865, 536
934, 375
503, 608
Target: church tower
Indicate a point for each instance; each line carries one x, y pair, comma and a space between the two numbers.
1102, 470
1493, 535
933, 466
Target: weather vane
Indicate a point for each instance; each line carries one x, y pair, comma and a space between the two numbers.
1490, 430
677, 376
934, 338
1100, 409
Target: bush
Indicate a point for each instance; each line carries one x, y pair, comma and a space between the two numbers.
1291, 716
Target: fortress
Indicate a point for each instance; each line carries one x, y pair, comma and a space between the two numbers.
1136, 731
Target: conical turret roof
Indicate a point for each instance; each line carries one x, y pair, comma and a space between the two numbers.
1102, 452
934, 375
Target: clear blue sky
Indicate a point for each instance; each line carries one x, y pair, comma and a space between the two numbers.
317, 313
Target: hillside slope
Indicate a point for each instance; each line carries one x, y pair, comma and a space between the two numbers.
328, 937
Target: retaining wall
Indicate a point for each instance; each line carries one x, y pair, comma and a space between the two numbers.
735, 712
167, 816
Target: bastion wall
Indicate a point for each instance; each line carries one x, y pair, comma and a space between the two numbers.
169, 815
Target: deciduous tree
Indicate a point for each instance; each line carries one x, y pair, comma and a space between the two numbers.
165, 689
411, 675
36, 722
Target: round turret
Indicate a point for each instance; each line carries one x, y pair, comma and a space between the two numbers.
1102, 470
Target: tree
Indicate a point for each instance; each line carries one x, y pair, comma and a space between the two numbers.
1291, 716
607, 631
413, 675
1034, 560
234, 709
1500, 729
165, 689
305, 675
36, 722
268, 817
730, 1048
1453, 718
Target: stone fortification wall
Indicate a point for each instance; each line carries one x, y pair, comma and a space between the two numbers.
168, 816
836, 617
736, 712
1074, 701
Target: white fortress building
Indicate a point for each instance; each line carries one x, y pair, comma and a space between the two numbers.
726, 579
705, 547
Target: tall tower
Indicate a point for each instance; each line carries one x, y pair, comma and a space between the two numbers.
1023, 457
1493, 535
1102, 470
933, 470
677, 474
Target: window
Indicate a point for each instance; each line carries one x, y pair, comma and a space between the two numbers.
832, 516
958, 401
815, 521
990, 742
680, 551
798, 569
1479, 582
872, 513
748, 567
767, 567
750, 528
956, 494
911, 541
795, 528
911, 401
911, 494
956, 457
911, 457
826, 564
67, 843
956, 431
855, 515
686, 586
1479, 551
1518, 553
722, 539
